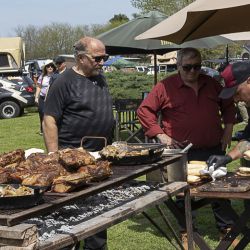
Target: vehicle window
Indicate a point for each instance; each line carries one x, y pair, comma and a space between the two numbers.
4, 62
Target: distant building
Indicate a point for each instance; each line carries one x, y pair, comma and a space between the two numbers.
168, 58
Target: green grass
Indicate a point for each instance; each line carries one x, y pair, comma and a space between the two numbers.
134, 234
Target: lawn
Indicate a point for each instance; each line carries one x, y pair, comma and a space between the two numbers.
134, 234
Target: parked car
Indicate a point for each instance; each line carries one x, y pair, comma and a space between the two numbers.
14, 97
142, 69
22, 83
211, 72
34, 67
162, 68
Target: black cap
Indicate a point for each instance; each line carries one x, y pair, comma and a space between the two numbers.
59, 60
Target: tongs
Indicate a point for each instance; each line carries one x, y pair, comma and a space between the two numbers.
147, 147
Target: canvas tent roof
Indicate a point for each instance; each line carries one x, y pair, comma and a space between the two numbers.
12, 53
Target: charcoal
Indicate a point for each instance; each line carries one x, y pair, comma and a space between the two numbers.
65, 218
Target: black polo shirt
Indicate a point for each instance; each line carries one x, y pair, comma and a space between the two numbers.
82, 106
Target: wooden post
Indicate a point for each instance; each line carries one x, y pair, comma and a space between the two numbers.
22, 235
189, 224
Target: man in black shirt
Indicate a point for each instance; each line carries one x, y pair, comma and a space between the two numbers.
78, 104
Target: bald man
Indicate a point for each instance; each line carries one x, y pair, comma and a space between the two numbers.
79, 104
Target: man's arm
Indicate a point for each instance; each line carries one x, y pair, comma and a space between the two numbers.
147, 112
50, 132
236, 153
227, 136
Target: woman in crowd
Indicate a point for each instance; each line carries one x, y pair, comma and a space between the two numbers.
41, 88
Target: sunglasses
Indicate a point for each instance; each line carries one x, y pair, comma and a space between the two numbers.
98, 59
50, 66
189, 67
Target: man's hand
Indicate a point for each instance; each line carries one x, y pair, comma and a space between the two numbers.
165, 139
219, 160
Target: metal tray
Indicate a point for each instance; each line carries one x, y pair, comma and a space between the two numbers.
25, 201
155, 154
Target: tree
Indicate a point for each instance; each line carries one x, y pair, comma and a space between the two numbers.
168, 7
119, 18
114, 22
50, 40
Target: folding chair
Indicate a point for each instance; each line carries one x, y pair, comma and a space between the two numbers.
126, 119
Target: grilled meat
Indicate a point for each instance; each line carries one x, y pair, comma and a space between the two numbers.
72, 159
41, 157
58, 169
4, 176
38, 170
70, 182
15, 156
117, 152
98, 172
42, 180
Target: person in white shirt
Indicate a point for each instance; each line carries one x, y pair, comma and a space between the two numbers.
41, 88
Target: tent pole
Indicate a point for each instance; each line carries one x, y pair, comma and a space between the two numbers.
227, 55
155, 68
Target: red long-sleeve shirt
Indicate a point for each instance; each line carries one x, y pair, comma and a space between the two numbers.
185, 115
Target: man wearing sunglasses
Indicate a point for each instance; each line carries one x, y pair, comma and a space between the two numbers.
191, 111
78, 104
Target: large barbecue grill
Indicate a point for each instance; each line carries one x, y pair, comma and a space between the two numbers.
52, 201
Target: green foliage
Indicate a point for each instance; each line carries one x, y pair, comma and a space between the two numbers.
50, 40
168, 7
119, 18
129, 85
234, 51
58, 38
114, 22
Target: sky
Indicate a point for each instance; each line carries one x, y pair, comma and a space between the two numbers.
16, 13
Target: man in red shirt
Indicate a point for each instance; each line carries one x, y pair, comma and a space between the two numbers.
191, 110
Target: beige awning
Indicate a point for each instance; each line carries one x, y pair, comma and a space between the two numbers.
202, 18
13, 46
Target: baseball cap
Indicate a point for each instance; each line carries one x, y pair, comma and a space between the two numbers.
59, 60
234, 75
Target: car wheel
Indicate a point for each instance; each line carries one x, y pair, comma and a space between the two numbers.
9, 109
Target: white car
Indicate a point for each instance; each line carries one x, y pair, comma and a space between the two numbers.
14, 98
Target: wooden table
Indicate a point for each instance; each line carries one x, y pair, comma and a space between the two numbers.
240, 220
121, 175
